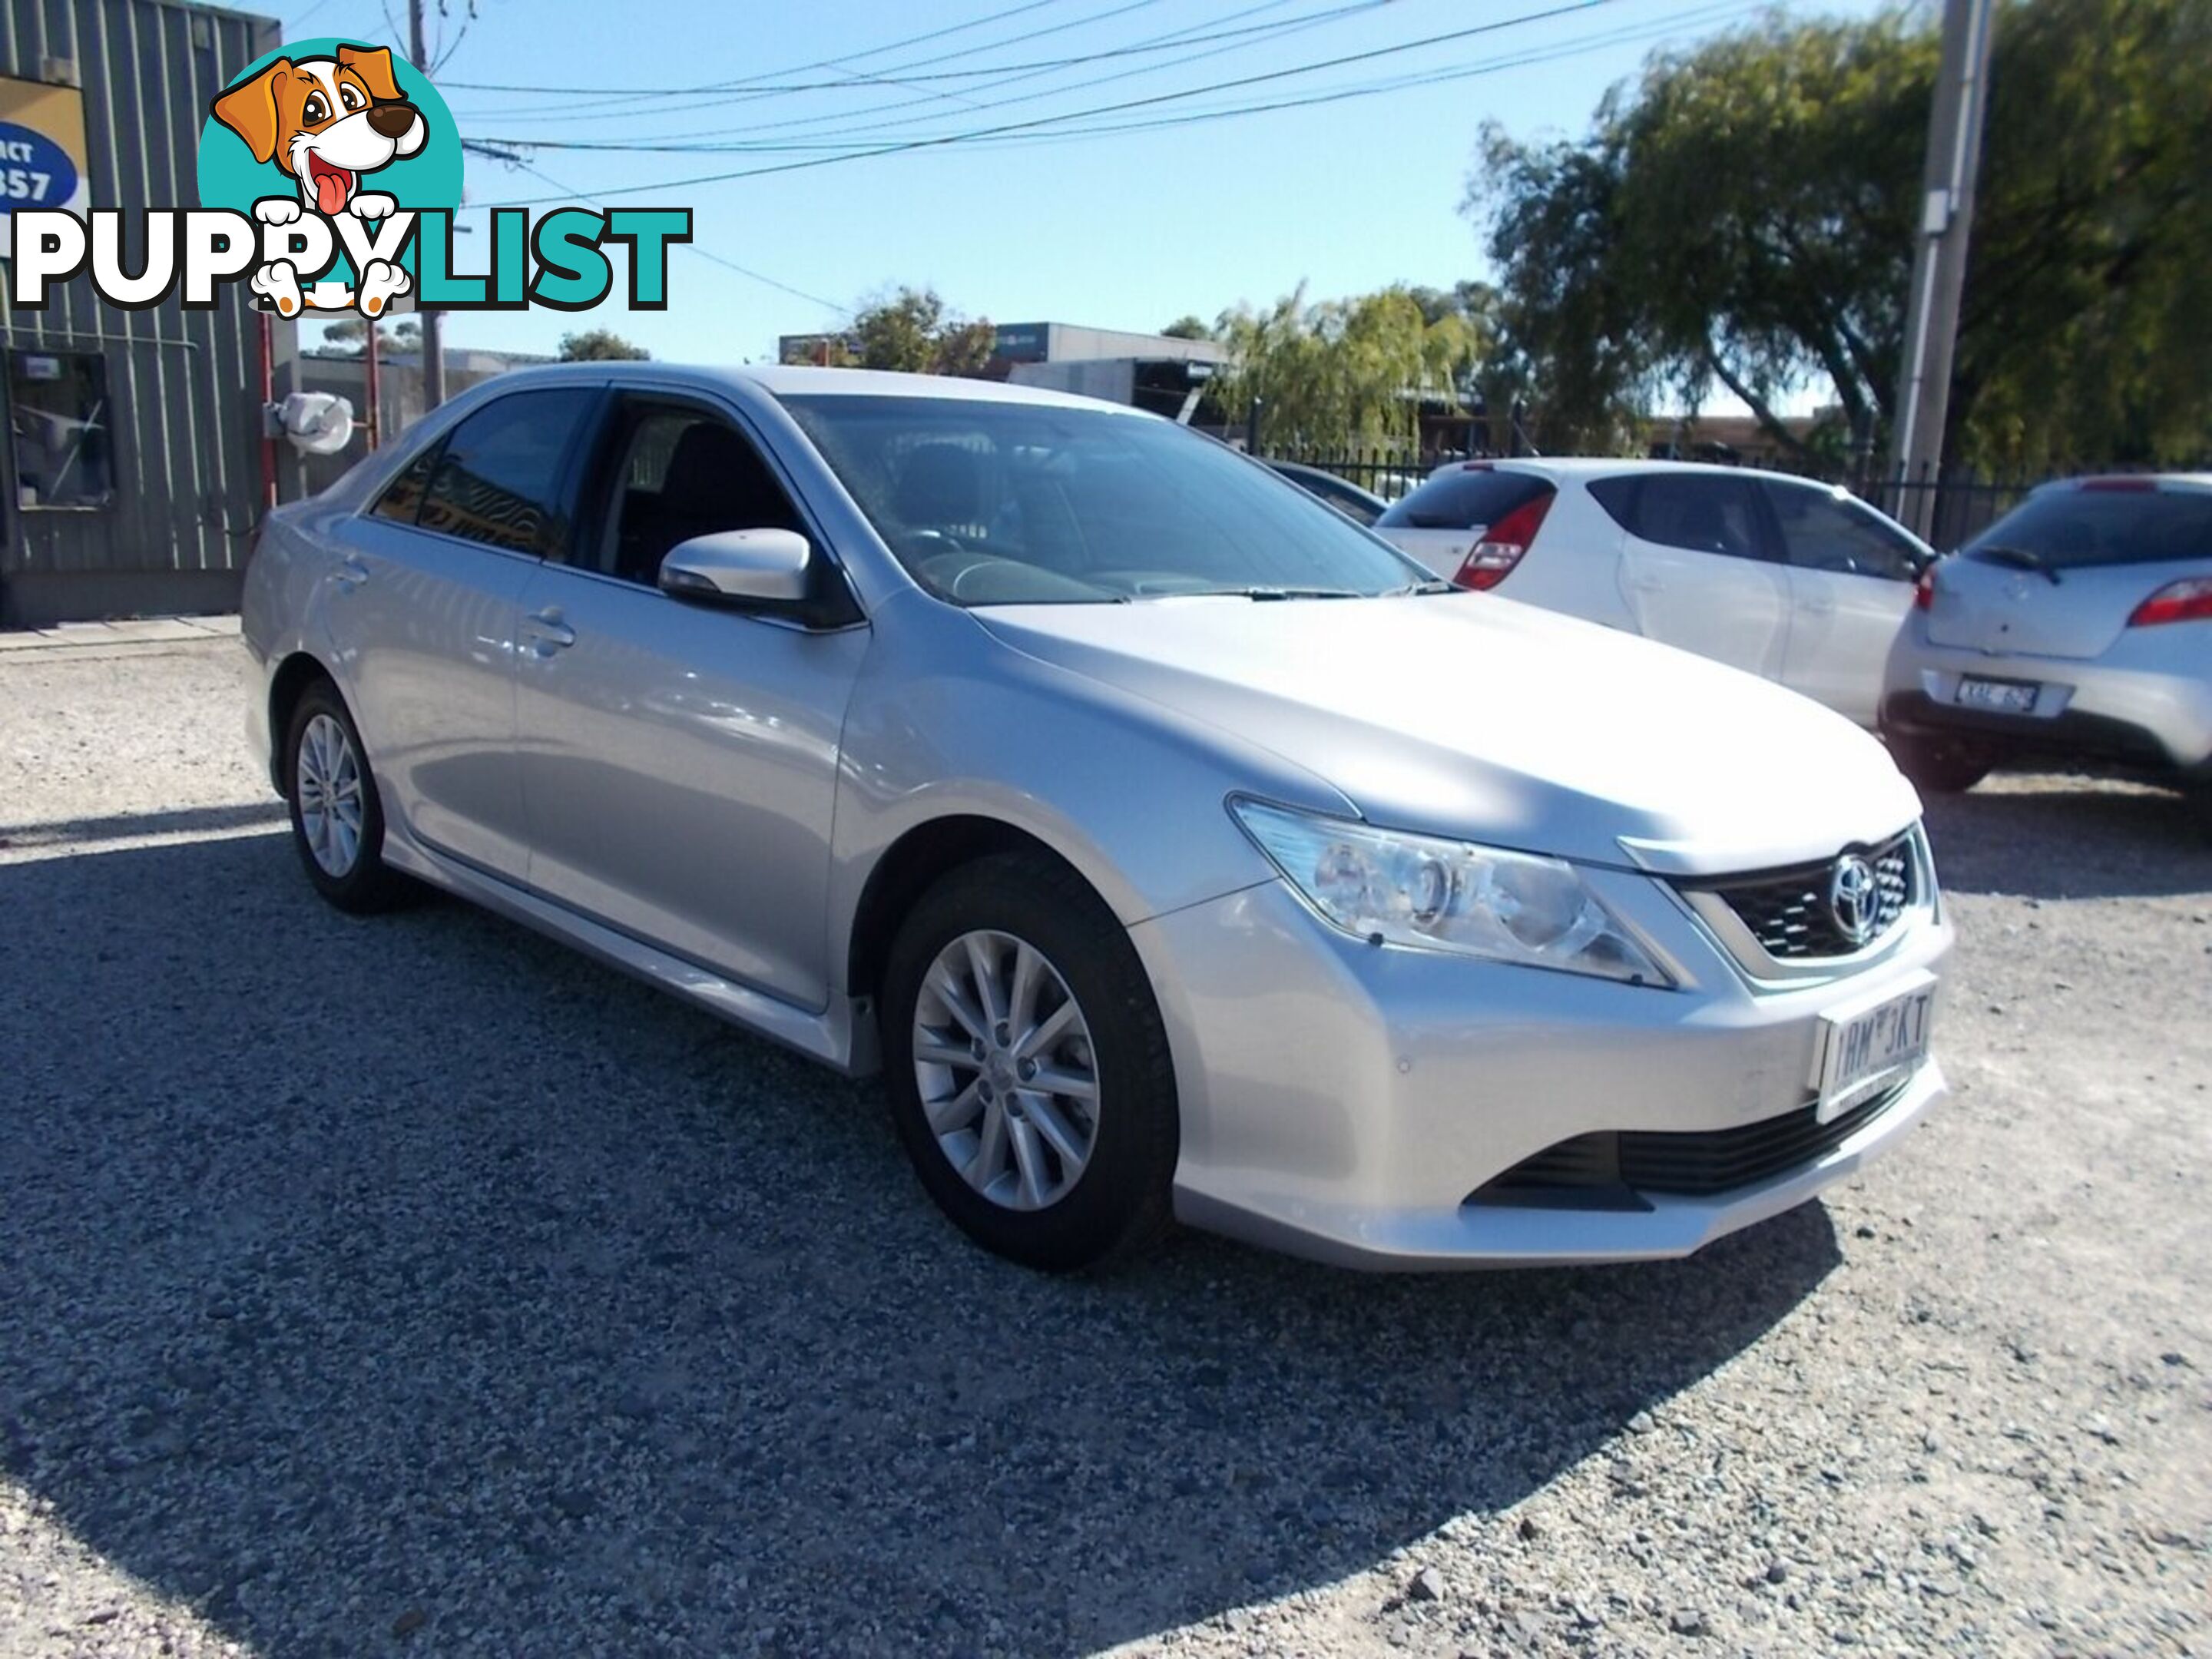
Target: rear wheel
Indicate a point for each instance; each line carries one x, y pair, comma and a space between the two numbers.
1027, 1064
1939, 766
337, 820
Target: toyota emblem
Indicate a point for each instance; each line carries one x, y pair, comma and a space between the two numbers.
1854, 898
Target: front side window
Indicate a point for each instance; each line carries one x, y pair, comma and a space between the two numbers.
501, 479
1004, 503
680, 472
1824, 531
403, 497
58, 408
1688, 510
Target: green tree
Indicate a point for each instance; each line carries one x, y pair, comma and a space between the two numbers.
1743, 217
600, 345
350, 335
1189, 326
1344, 372
914, 331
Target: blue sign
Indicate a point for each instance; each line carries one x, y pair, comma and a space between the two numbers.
35, 172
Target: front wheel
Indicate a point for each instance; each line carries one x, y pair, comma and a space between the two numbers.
337, 819
1028, 1066
1938, 766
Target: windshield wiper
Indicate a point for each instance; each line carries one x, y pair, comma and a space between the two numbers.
2018, 558
1287, 593
1434, 585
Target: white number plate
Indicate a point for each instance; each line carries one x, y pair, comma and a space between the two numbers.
1868, 1046
2006, 696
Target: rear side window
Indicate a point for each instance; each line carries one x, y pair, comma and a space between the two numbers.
501, 478
2072, 529
1821, 531
1688, 510
1468, 499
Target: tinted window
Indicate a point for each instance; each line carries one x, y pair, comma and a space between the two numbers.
681, 472
1686, 510
500, 480
403, 496
1004, 503
1824, 531
2067, 529
1464, 499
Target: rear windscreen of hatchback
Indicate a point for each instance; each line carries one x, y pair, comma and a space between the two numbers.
2074, 529
1472, 498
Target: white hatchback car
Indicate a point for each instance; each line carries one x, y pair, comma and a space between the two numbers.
1792, 580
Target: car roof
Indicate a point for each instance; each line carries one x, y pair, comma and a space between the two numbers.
782, 380
2122, 483
1564, 468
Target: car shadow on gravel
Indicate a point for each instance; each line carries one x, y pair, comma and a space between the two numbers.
2061, 837
417, 1283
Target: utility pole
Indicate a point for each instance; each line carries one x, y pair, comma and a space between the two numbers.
434, 331
1939, 263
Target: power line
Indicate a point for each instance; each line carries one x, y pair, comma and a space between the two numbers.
941, 139
569, 194
1463, 71
871, 129
1169, 42
746, 88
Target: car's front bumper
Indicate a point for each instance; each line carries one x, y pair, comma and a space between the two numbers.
2147, 717
1345, 1101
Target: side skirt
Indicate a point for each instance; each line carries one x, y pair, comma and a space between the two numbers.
841, 1035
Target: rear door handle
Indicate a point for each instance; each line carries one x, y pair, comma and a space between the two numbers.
351, 572
547, 632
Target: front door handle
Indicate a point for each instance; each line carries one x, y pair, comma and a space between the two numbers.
351, 572
547, 633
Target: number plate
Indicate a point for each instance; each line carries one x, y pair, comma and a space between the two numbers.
1869, 1045
2005, 696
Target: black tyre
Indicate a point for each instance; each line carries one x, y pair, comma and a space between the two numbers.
2199, 797
337, 820
1027, 1065
1939, 766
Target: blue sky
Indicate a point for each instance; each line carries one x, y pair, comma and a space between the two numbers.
1129, 230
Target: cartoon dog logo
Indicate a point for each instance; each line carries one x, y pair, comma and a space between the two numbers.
326, 121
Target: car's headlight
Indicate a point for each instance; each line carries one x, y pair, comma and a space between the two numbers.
1392, 888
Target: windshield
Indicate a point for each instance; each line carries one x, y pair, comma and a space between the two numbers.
2072, 529
1011, 503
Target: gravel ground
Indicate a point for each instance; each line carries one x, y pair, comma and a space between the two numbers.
415, 1285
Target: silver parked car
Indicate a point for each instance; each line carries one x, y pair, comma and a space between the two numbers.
1171, 844
2077, 628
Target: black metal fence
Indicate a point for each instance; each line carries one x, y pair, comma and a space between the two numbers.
1943, 512
1387, 473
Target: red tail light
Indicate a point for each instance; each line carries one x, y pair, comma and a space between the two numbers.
1490, 560
2190, 600
1923, 591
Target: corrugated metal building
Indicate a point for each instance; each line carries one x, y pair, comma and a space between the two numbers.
132, 479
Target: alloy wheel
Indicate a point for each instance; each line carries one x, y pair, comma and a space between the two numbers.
1004, 1063
327, 776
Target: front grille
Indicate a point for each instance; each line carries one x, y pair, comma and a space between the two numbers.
1788, 913
1609, 1170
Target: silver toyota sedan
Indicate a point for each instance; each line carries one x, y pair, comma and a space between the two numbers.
1174, 846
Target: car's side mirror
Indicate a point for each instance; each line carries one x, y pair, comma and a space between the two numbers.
740, 567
